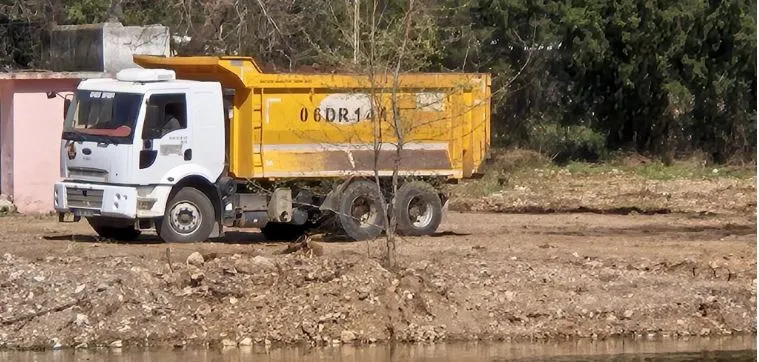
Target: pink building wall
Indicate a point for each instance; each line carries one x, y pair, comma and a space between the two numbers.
30, 135
37, 127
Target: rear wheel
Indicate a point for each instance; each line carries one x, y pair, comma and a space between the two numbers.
189, 217
419, 209
116, 229
360, 211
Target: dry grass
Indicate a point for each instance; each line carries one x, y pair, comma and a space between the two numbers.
523, 181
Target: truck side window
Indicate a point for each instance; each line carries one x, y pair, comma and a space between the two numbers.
172, 114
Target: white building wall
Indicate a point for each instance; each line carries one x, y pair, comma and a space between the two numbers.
120, 43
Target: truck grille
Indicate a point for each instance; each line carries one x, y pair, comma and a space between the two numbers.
86, 199
88, 174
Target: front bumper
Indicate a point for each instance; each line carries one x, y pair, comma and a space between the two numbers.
83, 199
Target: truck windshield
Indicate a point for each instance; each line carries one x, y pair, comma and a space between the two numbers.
102, 116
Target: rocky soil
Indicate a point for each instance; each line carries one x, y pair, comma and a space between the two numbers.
483, 277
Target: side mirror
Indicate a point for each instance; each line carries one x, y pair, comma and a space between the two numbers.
153, 116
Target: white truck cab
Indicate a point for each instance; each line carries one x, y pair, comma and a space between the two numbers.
127, 144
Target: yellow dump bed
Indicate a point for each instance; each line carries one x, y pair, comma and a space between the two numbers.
320, 125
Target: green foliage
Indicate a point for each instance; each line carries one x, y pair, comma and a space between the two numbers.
661, 78
565, 143
85, 11
575, 78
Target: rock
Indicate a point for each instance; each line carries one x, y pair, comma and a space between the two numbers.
611, 318
628, 314
347, 336
116, 344
408, 294
101, 287
196, 277
247, 341
308, 328
79, 289
363, 293
195, 259
263, 263
228, 343
6, 206
203, 310
244, 266
510, 295
232, 300
256, 264
39, 279
81, 319
229, 269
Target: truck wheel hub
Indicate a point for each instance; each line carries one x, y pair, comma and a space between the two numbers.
419, 212
363, 211
185, 217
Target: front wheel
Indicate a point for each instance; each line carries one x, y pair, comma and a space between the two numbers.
189, 217
116, 229
420, 210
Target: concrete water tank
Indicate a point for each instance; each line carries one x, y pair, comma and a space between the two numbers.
105, 47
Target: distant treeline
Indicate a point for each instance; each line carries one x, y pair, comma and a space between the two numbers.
574, 79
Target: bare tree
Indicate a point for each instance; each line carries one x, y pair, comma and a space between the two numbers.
377, 44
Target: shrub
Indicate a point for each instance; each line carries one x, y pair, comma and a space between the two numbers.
570, 143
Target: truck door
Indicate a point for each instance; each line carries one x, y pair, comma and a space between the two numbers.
166, 138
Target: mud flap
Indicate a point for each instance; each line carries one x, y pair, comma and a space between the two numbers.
330, 202
444, 214
217, 231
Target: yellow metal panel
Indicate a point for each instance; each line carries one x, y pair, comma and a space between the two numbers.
297, 125
242, 136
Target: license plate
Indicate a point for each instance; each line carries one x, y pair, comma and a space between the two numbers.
83, 212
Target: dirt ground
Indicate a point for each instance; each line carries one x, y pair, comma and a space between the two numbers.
483, 277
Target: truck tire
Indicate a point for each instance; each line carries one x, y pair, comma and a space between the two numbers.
275, 231
189, 217
116, 229
360, 211
419, 209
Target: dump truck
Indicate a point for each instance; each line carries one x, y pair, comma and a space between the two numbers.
189, 146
